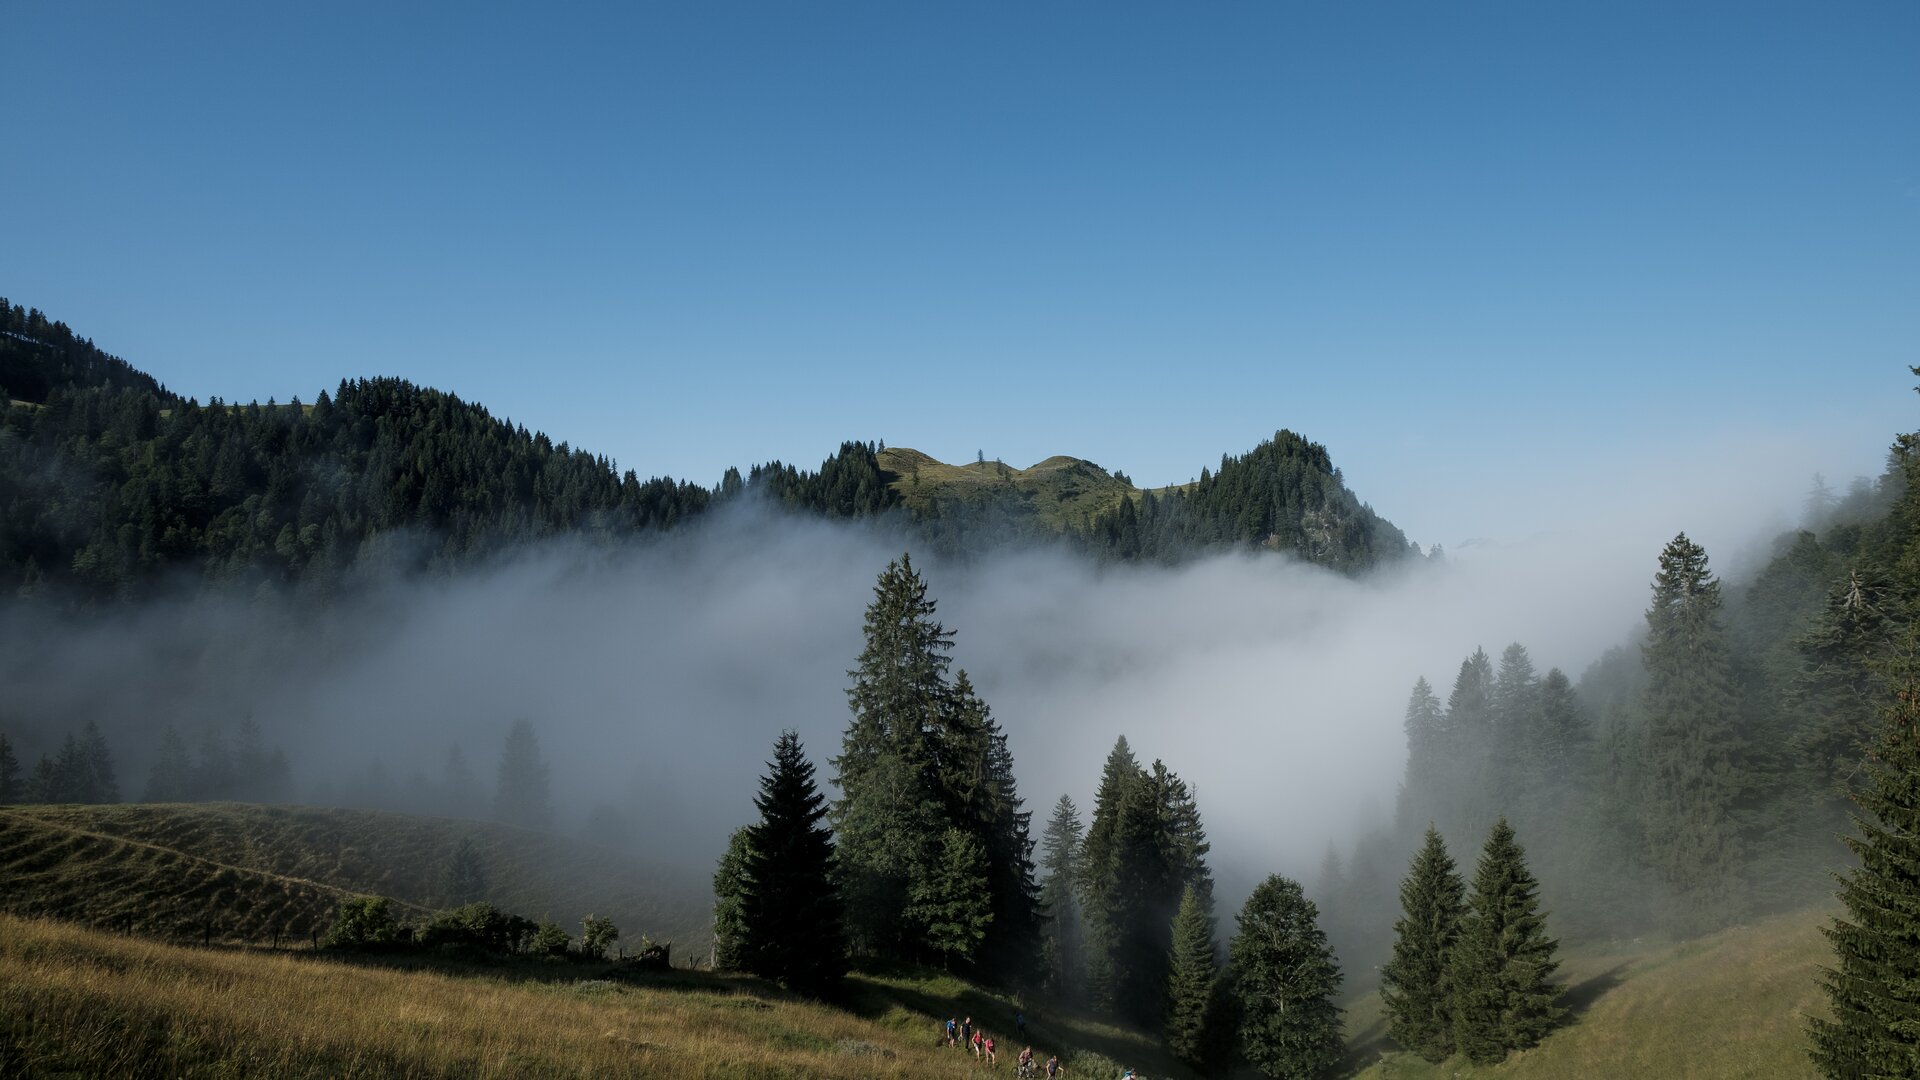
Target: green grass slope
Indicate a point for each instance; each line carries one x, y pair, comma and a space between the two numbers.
1733, 1004
1058, 492
233, 872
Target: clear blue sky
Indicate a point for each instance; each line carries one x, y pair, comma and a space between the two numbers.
1472, 247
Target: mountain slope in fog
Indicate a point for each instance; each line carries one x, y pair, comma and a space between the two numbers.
235, 872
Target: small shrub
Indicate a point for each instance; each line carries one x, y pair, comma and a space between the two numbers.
550, 940
597, 935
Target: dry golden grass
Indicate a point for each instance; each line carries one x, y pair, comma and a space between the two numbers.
1730, 1005
75, 1001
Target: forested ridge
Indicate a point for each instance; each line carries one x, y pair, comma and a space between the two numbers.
108, 481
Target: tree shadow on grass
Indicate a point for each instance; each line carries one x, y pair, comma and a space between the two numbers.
1581, 996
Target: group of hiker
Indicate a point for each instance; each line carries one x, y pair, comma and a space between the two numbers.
963, 1034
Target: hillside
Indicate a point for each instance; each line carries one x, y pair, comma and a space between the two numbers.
81, 1002
240, 873
109, 482
1732, 1004
1284, 495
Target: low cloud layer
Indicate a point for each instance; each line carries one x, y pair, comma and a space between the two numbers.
657, 677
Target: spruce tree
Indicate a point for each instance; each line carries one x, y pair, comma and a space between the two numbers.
1467, 803
791, 911
1874, 985
891, 816
1284, 981
1502, 963
10, 786
729, 899
1060, 850
1515, 732
1099, 870
1191, 978
102, 785
463, 877
521, 796
953, 901
171, 777
1416, 986
1692, 745
1422, 791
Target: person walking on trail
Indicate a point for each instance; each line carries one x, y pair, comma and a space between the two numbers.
1054, 1068
1020, 1023
991, 1060
1024, 1063
966, 1031
950, 1029
978, 1044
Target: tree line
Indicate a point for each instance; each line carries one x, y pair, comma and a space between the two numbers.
108, 482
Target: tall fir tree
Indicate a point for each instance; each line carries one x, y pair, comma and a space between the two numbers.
102, 783
521, 795
729, 901
1284, 982
11, 790
1146, 845
1692, 745
1515, 732
1416, 986
1192, 977
954, 902
1422, 792
1468, 806
1503, 961
170, 779
463, 877
1059, 858
791, 910
1874, 985
889, 820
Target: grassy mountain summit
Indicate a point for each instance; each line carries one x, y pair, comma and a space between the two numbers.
1284, 495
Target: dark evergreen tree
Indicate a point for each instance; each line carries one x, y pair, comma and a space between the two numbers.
1514, 750
730, 887
1423, 792
1144, 847
953, 901
1469, 804
521, 795
1192, 977
890, 818
1417, 984
462, 794
1874, 985
1692, 744
791, 910
1502, 963
101, 785
11, 789
171, 777
1099, 868
463, 877
1060, 850
1284, 981
984, 801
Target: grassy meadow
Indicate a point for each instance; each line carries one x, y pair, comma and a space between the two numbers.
229, 872
81, 1002
1058, 491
